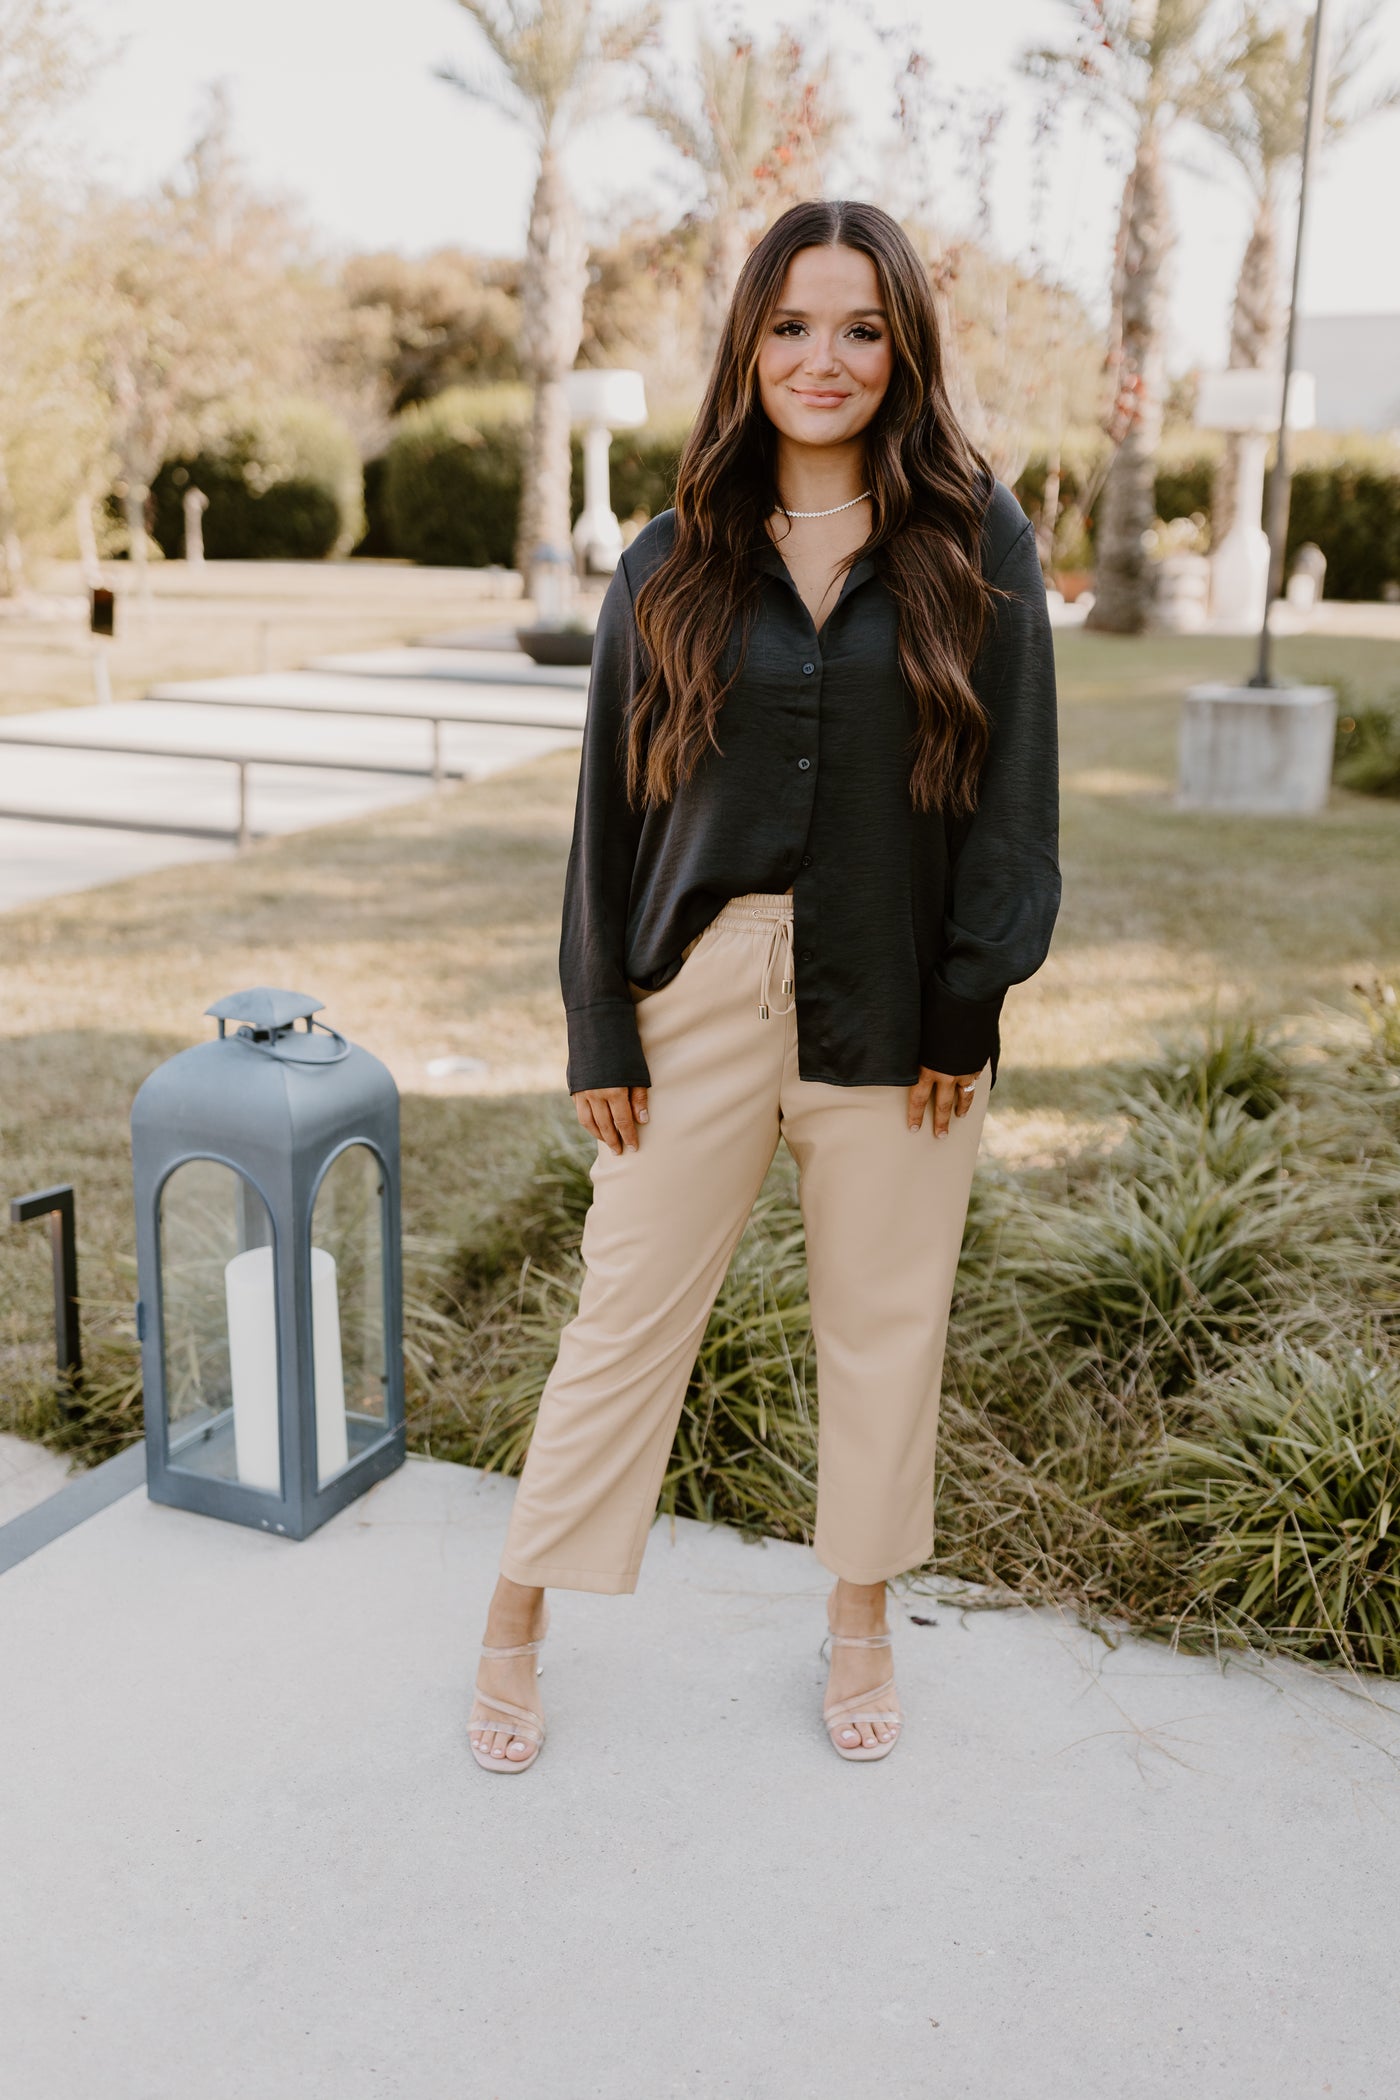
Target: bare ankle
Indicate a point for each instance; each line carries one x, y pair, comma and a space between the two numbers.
515, 1606
857, 1603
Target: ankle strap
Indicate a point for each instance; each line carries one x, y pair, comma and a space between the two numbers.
860, 1640
526, 1648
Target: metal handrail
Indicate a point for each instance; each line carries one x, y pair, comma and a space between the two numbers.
437, 772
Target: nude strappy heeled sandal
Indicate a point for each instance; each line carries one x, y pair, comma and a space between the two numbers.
522, 1722
842, 1713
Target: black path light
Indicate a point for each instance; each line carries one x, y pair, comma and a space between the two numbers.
56, 1205
266, 1169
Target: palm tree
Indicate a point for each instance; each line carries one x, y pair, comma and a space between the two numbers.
40, 67
1259, 119
553, 61
754, 121
1138, 61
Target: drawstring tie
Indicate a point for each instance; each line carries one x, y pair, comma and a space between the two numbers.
780, 937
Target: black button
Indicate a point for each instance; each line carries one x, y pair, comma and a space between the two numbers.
809, 668
806, 860
805, 956
803, 764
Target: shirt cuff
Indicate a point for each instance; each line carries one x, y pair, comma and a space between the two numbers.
604, 1047
958, 1035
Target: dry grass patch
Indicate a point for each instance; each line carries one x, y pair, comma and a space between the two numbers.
223, 620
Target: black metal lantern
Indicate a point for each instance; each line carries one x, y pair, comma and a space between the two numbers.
266, 1170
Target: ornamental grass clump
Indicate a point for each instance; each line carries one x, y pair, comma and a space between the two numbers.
1276, 1507
1149, 1273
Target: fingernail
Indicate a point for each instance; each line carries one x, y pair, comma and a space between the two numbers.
631, 1144
643, 1115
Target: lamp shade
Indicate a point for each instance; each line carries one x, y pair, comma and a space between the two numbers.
616, 399
1248, 399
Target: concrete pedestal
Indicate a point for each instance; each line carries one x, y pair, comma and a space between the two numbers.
1266, 751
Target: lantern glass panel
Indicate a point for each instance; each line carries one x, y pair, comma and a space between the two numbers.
219, 1327
347, 1310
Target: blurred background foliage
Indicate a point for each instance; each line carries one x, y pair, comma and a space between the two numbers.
379, 403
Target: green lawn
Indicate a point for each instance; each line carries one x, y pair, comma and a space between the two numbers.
433, 930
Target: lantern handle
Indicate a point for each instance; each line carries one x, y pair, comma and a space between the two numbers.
284, 1057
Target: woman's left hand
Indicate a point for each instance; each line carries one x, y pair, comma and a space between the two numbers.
950, 1092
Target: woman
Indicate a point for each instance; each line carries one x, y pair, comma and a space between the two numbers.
815, 842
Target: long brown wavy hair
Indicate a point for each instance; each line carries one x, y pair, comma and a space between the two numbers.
929, 491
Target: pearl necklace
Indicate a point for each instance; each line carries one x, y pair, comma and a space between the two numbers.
825, 513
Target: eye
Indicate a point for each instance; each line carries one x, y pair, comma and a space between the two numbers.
865, 333
788, 328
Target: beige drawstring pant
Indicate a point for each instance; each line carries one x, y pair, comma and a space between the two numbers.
883, 1207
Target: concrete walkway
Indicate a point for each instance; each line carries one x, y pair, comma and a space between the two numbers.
334, 686
29, 1473
246, 1850
75, 813
476, 666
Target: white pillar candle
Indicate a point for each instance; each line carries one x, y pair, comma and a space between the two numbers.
332, 1447
250, 1289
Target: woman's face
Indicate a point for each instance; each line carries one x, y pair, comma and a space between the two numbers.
826, 356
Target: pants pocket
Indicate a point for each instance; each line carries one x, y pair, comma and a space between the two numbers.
642, 991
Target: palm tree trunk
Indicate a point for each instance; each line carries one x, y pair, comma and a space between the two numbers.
1124, 584
1255, 330
723, 262
551, 318
12, 578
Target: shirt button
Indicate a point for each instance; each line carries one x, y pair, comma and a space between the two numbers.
805, 956
803, 764
806, 860
808, 669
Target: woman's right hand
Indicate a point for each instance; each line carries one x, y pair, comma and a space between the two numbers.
612, 1113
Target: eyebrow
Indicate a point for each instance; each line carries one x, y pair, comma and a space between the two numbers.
800, 312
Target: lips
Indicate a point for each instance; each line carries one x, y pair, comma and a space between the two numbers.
816, 398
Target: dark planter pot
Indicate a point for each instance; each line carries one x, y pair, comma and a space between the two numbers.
556, 645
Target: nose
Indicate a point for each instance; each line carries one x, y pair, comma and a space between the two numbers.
821, 356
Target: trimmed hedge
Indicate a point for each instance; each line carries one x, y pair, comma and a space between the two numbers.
644, 465
1353, 514
377, 538
452, 471
1349, 507
285, 484
448, 489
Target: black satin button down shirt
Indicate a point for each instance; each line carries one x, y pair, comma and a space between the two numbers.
908, 926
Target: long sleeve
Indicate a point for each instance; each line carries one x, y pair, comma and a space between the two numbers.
1004, 882
604, 1046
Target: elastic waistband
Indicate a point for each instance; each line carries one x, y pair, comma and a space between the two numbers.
757, 905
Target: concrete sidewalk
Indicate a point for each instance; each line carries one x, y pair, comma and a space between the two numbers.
72, 818
247, 1851
28, 1474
